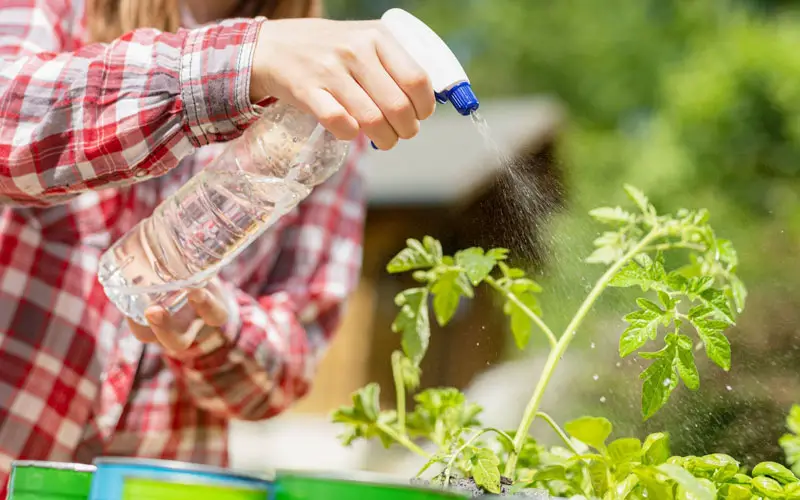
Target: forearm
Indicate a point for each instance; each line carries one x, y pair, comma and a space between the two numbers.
118, 113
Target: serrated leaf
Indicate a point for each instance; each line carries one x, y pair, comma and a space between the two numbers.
776, 471
604, 255
412, 322
498, 254
362, 417
615, 215
447, 295
643, 327
650, 306
632, 274
414, 256
590, 430
485, 468
718, 348
655, 450
659, 382
638, 198
687, 482
767, 487
433, 247
666, 300
718, 300
684, 362
475, 263
625, 450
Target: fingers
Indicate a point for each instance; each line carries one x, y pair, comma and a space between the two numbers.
368, 114
171, 338
142, 333
408, 75
330, 113
385, 93
208, 308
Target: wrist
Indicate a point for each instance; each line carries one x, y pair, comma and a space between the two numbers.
259, 74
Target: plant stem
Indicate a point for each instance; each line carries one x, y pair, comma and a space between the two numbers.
563, 343
563, 435
532, 315
403, 440
669, 246
400, 391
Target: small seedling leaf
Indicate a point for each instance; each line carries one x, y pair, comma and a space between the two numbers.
412, 322
688, 483
655, 450
590, 430
476, 264
485, 468
776, 471
414, 256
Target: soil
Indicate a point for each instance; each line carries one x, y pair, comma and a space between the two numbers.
474, 490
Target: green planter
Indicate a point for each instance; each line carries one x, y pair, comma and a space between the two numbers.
49, 481
149, 489
291, 485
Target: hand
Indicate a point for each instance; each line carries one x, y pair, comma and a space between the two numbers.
176, 333
352, 75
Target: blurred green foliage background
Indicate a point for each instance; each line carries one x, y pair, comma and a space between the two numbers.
697, 102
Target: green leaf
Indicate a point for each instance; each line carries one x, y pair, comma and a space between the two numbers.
655, 450
613, 216
650, 306
718, 300
604, 255
791, 447
412, 321
476, 264
410, 372
440, 414
598, 475
638, 198
687, 482
521, 322
792, 491
433, 247
485, 468
738, 291
625, 450
362, 417
625, 487
776, 471
718, 348
643, 327
590, 430
684, 362
447, 292
767, 487
659, 382
414, 256
734, 492
793, 420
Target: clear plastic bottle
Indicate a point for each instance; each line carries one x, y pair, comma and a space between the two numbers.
258, 178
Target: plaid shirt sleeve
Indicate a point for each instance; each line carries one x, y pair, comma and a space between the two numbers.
112, 114
267, 356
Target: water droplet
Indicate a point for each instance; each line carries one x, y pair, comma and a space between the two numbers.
729, 387
477, 343
593, 345
667, 382
602, 399
619, 363
596, 377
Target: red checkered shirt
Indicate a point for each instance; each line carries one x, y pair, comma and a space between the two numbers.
81, 126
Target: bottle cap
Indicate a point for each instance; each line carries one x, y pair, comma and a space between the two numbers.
463, 98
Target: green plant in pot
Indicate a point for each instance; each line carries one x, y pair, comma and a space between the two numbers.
682, 310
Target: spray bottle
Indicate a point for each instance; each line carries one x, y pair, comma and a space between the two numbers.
257, 179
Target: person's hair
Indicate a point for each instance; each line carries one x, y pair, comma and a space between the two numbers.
110, 19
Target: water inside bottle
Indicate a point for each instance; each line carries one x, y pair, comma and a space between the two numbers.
201, 228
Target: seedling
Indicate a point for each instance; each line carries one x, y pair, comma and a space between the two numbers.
681, 308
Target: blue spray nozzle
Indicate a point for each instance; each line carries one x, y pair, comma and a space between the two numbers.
461, 96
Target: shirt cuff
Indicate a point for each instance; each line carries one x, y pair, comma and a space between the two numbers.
216, 64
